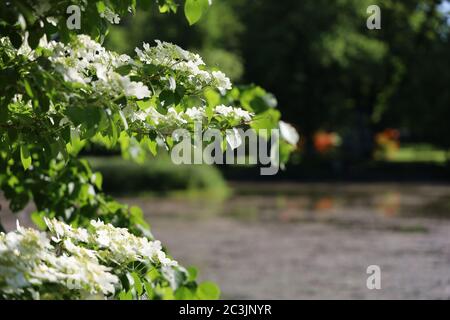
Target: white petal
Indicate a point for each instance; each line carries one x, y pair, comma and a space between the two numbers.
233, 138
289, 133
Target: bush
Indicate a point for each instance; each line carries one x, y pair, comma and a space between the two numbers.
158, 176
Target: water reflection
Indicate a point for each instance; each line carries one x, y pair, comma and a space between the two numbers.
313, 241
319, 202
322, 200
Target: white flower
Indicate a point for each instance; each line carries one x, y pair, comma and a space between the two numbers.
232, 112
103, 238
245, 115
28, 259
136, 89
72, 75
172, 84
109, 15
125, 247
222, 82
62, 230
167, 54
224, 110
101, 71
188, 66
234, 139
196, 114
52, 20
289, 133
173, 117
87, 62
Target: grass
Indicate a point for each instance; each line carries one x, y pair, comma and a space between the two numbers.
159, 177
420, 153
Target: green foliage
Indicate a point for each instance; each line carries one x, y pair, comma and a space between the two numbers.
194, 9
410, 153
208, 291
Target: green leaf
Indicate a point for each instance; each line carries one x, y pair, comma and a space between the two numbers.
153, 146
4, 114
212, 97
168, 97
194, 9
34, 37
285, 151
149, 290
266, 120
28, 88
144, 104
97, 179
137, 283
192, 273
38, 220
25, 156
101, 7
16, 39
153, 274
124, 70
208, 291
125, 295
167, 293
184, 293
137, 217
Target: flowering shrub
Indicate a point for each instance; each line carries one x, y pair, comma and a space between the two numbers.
81, 263
60, 90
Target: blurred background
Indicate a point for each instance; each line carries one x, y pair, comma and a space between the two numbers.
370, 181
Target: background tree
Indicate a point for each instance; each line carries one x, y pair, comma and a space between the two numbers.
328, 71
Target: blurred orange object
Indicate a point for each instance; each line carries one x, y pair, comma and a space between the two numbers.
388, 142
324, 204
325, 141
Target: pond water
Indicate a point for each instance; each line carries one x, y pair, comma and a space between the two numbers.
313, 241
310, 241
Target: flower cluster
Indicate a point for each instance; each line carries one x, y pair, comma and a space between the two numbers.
122, 247
189, 67
120, 85
177, 119
30, 267
109, 15
87, 62
77, 261
233, 113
